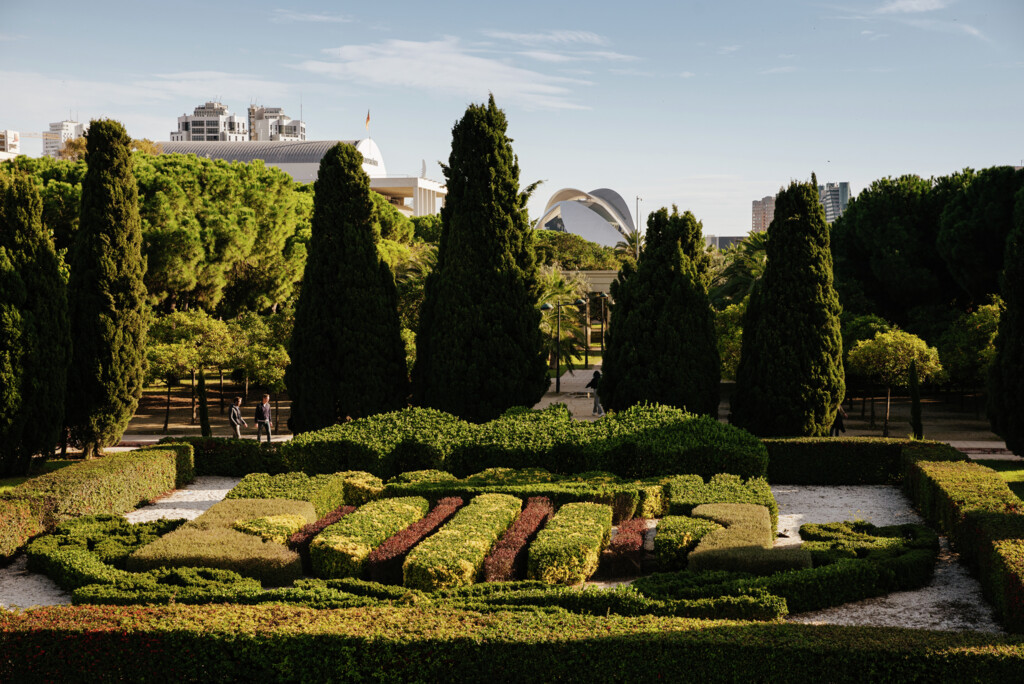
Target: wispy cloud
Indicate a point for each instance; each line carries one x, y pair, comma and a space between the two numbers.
445, 66
632, 72
912, 6
285, 16
944, 26
580, 56
874, 35
787, 55
10, 37
687, 74
779, 70
563, 37
728, 49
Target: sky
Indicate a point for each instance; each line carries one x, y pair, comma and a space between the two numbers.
704, 105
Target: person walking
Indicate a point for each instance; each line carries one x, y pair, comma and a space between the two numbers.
837, 424
235, 417
594, 382
263, 418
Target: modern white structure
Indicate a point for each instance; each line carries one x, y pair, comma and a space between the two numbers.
762, 213
301, 160
835, 197
271, 123
60, 132
10, 141
210, 122
600, 215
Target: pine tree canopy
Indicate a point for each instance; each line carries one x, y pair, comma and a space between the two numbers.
662, 345
347, 354
106, 295
35, 343
480, 349
790, 377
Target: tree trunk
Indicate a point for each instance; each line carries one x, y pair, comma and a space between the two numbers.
872, 425
167, 412
246, 395
221, 391
194, 418
277, 412
885, 427
64, 433
977, 402
863, 405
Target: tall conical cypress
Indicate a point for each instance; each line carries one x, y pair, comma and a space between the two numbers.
1006, 379
35, 343
479, 347
106, 295
661, 340
347, 354
790, 377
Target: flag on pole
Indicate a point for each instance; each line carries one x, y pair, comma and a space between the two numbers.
367, 119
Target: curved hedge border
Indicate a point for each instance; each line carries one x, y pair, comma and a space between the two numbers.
281, 643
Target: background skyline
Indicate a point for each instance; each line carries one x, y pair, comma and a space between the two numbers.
707, 105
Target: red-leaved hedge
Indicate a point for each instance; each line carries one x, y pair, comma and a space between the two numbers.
300, 541
625, 552
508, 558
384, 563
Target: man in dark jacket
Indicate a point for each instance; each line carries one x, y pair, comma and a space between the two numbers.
235, 417
263, 418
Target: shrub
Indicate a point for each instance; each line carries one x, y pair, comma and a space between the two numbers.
275, 528
688, 491
508, 558
325, 492
384, 564
341, 549
676, 536
625, 551
745, 544
567, 550
20, 520
415, 476
455, 555
848, 460
117, 483
300, 541
209, 541
231, 457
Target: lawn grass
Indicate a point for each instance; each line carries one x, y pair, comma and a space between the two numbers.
9, 483
1011, 471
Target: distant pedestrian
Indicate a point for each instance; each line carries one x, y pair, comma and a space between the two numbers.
594, 382
837, 424
235, 417
263, 418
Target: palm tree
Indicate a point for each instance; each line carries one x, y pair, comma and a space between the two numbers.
633, 245
740, 267
556, 288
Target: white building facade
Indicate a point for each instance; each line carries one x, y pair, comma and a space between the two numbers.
211, 122
835, 197
272, 124
762, 213
60, 132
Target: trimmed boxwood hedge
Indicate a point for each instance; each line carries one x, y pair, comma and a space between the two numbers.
231, 457
686, 492
568, 549
848, 460
325, 492
676, 536
281, 643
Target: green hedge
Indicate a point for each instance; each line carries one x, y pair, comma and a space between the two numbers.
676, 536
210, 541
643, 441
325, 492
848, 460
20, 520
231, 457
281, 643
568, 549
341, 549
686, 492
455, 555
745, 544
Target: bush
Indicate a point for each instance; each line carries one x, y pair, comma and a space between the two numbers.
268, 642
625, 551
325, 492
20, 520
273, 528
341, 549
508, 558
231, 457
300, 541
676, 536
455, 555
688, 491
209, 541
848, 460
567, 550
384, 564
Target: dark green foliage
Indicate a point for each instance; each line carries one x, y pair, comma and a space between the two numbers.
790, 377
388, 222
915, 403
234, 457
1006, 380
325, 492
573, 253
973, 230
35, 343
662, 346
204, 409
347, 354
106, 295
427, 228
849, 460
479, 346
686, 492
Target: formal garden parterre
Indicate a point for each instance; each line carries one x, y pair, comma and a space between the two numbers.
426, 545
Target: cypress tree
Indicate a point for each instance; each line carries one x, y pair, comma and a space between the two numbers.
347, 354
662, 345
915, 402
106, 295
1006, 379
790, 377
479, 347
35, 343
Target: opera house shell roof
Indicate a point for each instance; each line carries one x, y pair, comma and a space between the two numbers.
600, 215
